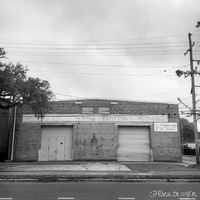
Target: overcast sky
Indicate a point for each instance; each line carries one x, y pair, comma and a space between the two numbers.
115, 49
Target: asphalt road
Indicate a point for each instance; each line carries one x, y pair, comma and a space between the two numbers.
100, 191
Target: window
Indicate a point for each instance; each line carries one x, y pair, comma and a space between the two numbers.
87, 110
104, 110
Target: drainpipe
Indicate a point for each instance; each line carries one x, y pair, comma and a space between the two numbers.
13, 132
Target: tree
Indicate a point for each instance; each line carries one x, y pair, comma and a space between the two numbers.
187, 130
18, 89
2, 53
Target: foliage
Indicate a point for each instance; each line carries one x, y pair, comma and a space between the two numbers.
18, 89
187, 130
2, 53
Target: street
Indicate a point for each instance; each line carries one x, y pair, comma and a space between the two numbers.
100, 191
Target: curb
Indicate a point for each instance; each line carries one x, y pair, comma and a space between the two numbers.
100, 178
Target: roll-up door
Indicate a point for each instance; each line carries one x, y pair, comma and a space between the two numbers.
56, 143
134, 143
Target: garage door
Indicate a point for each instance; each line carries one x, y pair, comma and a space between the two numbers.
134, 143
56, 143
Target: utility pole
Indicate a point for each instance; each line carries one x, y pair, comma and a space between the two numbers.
192, 73
193, 98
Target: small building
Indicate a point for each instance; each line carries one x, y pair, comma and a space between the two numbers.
98, 129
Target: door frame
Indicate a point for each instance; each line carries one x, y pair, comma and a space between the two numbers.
149, 125
44, 143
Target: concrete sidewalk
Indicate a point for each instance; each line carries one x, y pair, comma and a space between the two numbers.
100, 171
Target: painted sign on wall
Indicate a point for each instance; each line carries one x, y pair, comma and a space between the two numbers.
95, 118
165, 127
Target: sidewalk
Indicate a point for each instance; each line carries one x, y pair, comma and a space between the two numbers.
100, 171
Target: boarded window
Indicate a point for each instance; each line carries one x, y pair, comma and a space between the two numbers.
104, 110
87, 110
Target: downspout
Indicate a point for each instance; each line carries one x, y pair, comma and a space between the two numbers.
13, 132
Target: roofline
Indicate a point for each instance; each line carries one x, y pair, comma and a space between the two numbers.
113, 99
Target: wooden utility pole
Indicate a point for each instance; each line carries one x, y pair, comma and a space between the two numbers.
193, 98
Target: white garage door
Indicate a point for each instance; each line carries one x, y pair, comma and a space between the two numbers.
56, 143
134, 143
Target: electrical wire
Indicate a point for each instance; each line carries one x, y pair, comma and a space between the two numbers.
86, 54
143, 96
102, 47
96, 51
99, 65
124, 39
96, 74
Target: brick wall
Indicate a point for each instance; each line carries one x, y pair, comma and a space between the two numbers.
166, 146
27, 142
95, 141
122, 107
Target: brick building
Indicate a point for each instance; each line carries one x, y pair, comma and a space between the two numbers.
97, 129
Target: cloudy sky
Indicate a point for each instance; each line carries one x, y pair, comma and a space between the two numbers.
115, 49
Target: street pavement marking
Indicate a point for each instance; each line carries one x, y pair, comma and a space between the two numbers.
6, 198
65, 197
126, 198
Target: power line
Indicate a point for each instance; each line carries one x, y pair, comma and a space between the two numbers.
96, 50
96, 40
92, 48
95, 44
100, 65
137, 97
163, 93
86, 54
98, 74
